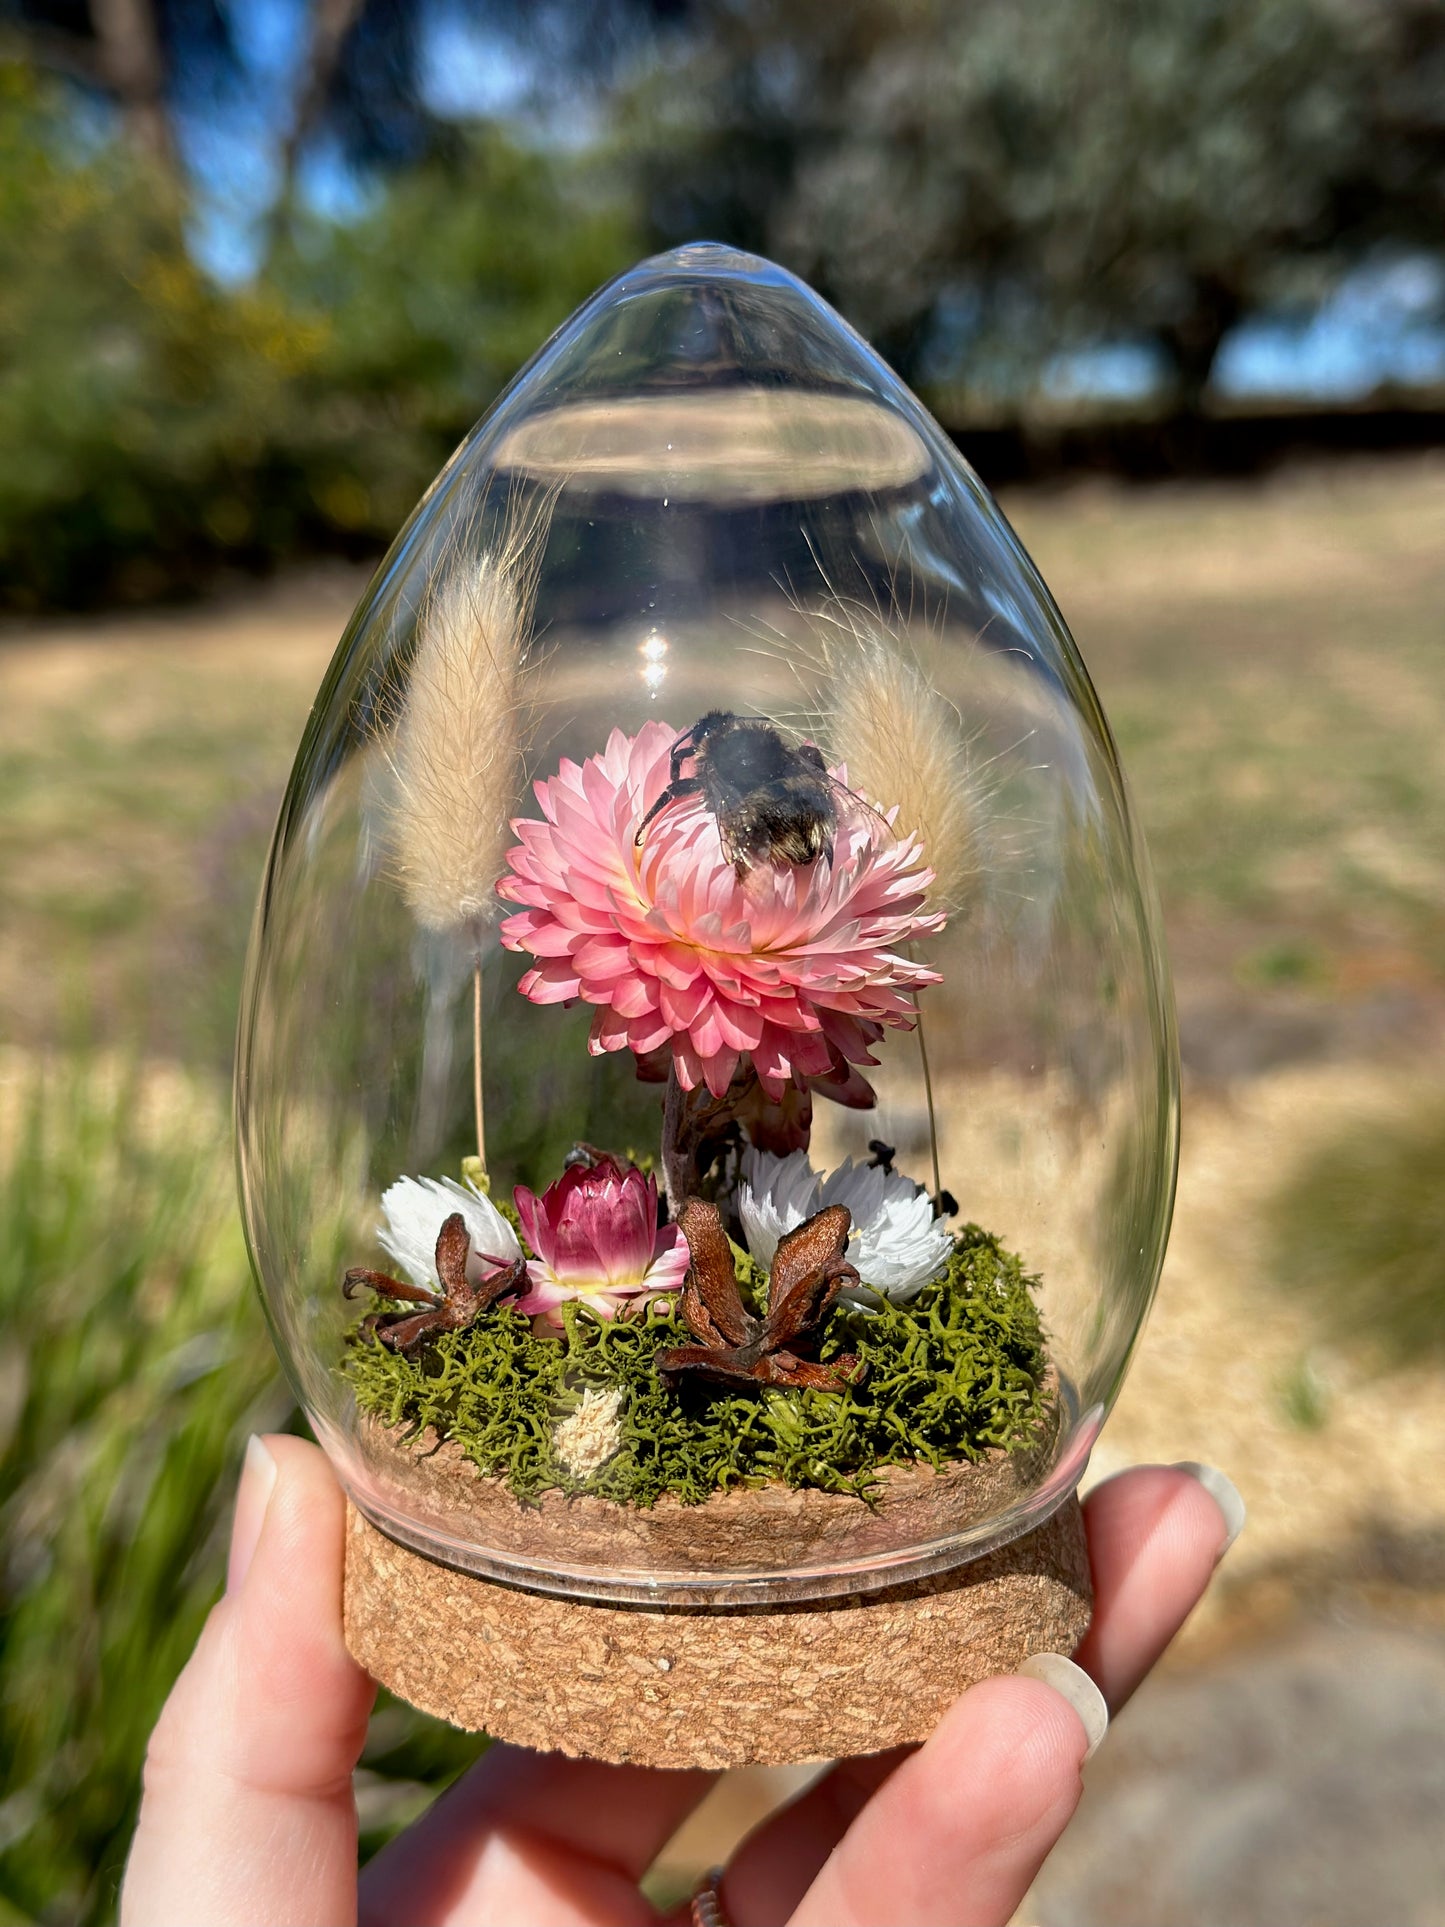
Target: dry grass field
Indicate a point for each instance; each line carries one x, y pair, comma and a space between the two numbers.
1273, 663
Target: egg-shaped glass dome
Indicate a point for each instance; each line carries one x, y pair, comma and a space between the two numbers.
706, 1086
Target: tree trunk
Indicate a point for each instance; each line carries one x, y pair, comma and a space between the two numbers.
1192, 341
331, 21
132, 67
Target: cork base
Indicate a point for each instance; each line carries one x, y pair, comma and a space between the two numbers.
692, 1687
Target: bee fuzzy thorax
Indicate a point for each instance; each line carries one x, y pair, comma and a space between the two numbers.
773, 801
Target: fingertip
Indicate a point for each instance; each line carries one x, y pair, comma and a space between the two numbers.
1225, 1494
1027, 1725
1017, 1746
300, 1549
258, 1481
1156, 1534
1164, 1509
288, 1646
1077, 1690
302, 1531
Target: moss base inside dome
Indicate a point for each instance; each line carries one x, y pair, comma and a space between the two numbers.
958, 1371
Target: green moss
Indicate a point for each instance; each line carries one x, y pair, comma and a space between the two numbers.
950, 1375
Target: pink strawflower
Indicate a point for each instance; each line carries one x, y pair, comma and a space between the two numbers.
596, 1239
796, 968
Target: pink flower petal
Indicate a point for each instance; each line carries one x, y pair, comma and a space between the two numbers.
632, 996
719, 1067
596, 1239
800, 967
549, 984
683, 1007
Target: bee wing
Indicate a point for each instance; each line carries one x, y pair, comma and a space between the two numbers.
844, 798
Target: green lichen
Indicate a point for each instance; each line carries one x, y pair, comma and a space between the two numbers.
958, 1370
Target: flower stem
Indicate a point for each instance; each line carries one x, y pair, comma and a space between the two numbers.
477, 1064
676, 1153
932, 1114
690, 1139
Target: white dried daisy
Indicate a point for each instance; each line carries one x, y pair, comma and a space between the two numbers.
417, 1208
897, 1244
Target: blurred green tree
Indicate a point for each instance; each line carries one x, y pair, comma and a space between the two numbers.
355, 80
133, 393
981, 188
993, 182
430, 305
354, 75
155, 424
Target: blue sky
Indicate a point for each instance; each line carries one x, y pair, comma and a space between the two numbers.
1384, 325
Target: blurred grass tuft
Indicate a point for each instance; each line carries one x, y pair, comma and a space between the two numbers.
135, 1363
1361, 1227
1304, 1396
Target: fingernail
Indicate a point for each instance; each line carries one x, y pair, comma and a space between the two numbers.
258, 1480
1225, 1494
1072, 1683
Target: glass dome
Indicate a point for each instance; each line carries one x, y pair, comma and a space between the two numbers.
706, 1086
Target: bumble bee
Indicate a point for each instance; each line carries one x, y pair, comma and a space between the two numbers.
772, 802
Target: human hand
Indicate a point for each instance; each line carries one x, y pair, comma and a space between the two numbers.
248, 1818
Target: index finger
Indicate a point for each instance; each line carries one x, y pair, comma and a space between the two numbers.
1155, 1520
1154, 1537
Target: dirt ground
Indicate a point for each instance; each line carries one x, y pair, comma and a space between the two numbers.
1337, 1458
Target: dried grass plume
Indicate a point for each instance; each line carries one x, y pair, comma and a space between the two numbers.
903, 743
456, 753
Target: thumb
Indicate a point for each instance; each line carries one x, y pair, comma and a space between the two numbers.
248, 1817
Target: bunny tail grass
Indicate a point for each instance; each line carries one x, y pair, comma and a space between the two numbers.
456, 749
902, 743
456, 755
